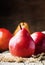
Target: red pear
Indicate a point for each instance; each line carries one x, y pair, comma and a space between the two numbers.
5, 36
39, 39
23, 25
43, 32
22, 44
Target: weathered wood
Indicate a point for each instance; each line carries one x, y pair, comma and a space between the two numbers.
31, 11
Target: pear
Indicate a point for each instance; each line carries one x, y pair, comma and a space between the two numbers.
23, 25
43, 32
39, 39
22, 44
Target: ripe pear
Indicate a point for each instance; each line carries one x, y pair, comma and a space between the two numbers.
39, 39
22, 44
23, 25
43, 32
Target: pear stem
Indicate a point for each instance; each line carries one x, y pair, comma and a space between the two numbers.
23, 23
20, 27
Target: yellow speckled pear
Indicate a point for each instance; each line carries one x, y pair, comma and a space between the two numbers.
23, 25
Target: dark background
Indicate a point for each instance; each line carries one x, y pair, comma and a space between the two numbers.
12, 12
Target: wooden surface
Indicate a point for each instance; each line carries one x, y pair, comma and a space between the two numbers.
14, 11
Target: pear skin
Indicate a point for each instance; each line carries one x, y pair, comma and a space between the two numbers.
23, 25
22, 44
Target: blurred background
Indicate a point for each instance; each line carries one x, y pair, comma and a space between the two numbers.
12, 12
